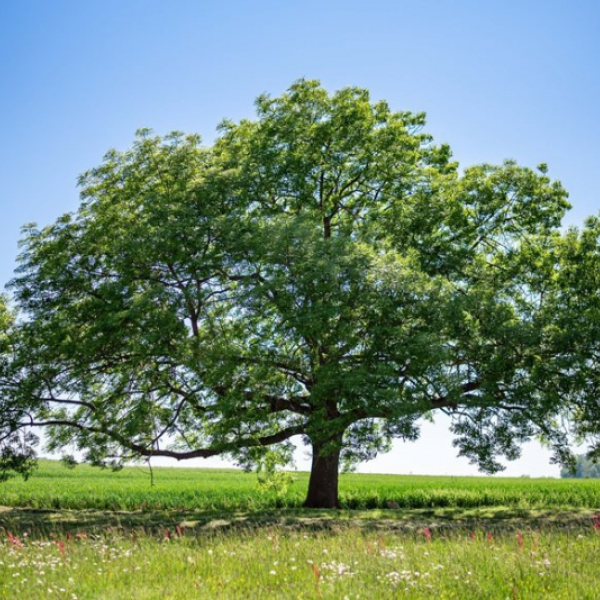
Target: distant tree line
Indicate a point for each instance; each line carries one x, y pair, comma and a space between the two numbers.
585, 468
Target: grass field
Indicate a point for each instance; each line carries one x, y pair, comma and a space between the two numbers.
275, 563
53, 486
87, 533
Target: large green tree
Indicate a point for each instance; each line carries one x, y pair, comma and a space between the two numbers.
324, 271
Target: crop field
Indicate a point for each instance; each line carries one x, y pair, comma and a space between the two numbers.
88, 533
53, 486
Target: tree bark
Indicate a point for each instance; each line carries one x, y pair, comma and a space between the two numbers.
324, 475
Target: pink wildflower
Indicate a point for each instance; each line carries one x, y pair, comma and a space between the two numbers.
14, 540
519, 539
316, 573
61, 547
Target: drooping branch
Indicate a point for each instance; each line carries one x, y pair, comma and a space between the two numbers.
142, 450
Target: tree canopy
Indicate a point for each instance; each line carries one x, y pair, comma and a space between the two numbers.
325, 271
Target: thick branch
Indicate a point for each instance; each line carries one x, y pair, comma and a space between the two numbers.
274, 404
142, 450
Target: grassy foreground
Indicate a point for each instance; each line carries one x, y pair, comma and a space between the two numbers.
275, 563
217, 534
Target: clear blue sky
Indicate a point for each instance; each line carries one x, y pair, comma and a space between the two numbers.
498, 79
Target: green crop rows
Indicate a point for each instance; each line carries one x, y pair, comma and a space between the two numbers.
53, 486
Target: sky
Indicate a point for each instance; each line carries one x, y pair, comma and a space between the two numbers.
498, 79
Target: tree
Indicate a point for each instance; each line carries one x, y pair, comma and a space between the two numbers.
324, 271
573, 315
584, 469
17, 447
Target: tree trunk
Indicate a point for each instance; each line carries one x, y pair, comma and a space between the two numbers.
323, 482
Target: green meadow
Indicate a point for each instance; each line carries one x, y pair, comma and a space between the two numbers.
203, 533
53, 486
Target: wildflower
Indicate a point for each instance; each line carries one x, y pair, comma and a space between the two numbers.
338, 568
427, 534
316, 572
519, 539
61, 547
14, 540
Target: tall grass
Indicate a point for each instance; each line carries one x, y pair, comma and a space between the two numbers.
272, 563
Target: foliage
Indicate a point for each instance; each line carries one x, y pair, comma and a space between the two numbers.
325, 271
575, 332
584, 469
17, 455
270, 473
